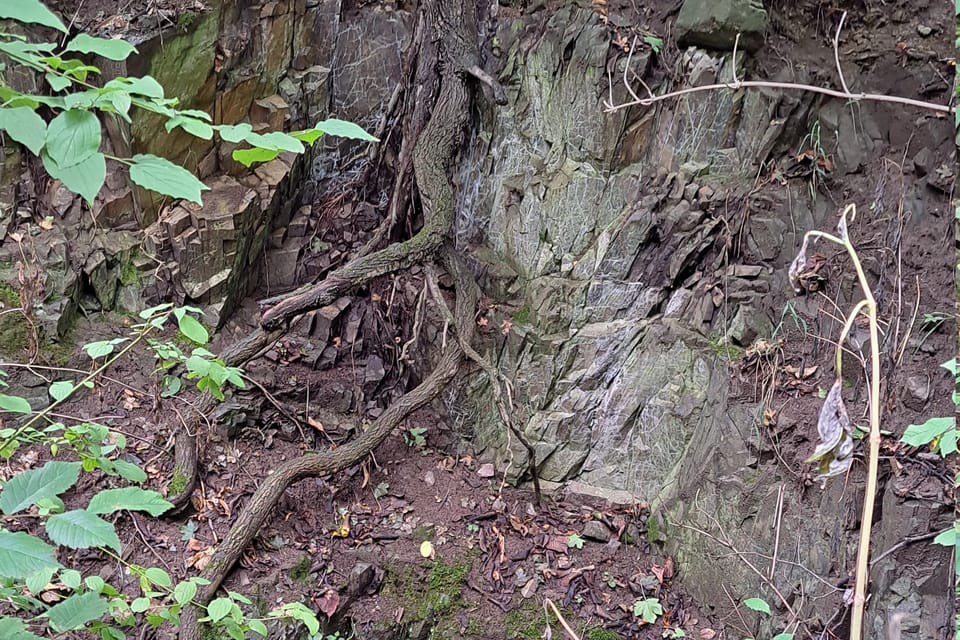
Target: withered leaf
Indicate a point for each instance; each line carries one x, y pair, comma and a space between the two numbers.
798, 266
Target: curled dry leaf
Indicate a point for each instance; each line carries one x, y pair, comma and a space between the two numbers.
835, 449
798, 266
328, 602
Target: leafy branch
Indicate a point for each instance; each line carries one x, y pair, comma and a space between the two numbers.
69, 144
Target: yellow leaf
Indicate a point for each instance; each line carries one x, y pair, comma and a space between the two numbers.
426, 549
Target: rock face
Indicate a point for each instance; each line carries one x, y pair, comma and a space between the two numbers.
715, 24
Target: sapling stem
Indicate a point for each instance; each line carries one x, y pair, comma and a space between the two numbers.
866, 522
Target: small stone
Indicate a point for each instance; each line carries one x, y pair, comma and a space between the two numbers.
916, 392
705, 193
429, 479
924, 30
923, 161
596, 530
486, 470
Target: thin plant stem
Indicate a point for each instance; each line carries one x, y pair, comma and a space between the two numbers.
873, 457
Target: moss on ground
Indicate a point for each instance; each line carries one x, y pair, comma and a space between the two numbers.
14, 328
300, 571
528, 620
433, 599
599, 633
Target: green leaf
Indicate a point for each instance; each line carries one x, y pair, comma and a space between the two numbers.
144, 86
85, 178
299, 611
161, 175
947, 443
191, 327
184, 592
782, 636
71, 578
15, 629
14, 404
918, 435
247, 157
158, 576
129, 471
57, 83
25, 126
80, 529
37, 581
655, 43
234, 132
219, 608
574, 542
193, 126
258, 627
344, 129
72, 137
757, 604
31, 12
948, 538
139, 605
25, 488
130, 498
102, 348
276, 140
22, 555
61, 390
76, 611
648, 609
110, 49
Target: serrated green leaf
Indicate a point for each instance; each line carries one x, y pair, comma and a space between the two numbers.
38, 580
61, 390
219, 608
918, 435
85, 178
14, 404
161, 175
22, 555
191, 327
71, 578
76, 611
110, 49
31, 12
344, 129
80, 529
247, 157
15, 629
757, 604
947, 443
72, 137
130, 498
25, 126
129, 471
158, 576
139, 605
184, 592
52, 479
298, 611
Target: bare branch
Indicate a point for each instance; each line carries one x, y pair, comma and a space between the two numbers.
836, 52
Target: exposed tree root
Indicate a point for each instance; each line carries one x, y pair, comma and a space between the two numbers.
500, 386
256, 511
451, 43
